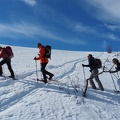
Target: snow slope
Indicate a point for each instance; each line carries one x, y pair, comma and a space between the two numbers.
27, 99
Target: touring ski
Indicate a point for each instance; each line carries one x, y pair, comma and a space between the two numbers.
48, 81
117, 91
8, 77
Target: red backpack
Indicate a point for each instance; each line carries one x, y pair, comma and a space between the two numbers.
9, 52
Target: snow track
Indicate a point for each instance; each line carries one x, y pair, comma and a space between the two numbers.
28, 99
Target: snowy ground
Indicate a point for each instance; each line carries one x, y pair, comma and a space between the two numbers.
27, 99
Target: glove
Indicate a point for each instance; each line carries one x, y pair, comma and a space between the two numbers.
90, 70
83, 65
34, 58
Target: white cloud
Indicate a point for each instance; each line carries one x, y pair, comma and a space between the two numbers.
108, 10
83, 28
112, 27
30, 2
74, 41
22, 30
111, 37
29, 30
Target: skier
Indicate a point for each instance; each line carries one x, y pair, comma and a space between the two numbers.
117, 63
43, 62
94, 72
6, 60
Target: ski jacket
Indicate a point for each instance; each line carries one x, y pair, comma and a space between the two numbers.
91, 64
41, 54
3, 54
118, 67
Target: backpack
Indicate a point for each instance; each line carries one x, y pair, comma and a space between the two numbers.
9, 52
47, 52
97, 63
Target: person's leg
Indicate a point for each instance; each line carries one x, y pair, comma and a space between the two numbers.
47, 73
1, 72
91, 80
43, 65
50, 75
98, 80
118, 82
10, 68
1, 63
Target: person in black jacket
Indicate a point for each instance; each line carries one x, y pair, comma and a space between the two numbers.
94, 71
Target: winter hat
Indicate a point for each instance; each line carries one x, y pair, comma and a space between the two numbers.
0, 47
115, 60
39, 44
89, 55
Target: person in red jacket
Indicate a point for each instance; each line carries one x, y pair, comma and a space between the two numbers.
43, 62
6, 60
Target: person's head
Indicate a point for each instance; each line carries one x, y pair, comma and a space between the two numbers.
89, 56
0, 48
115, 60
39, 44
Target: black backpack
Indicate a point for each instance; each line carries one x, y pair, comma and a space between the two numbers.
97, 63
47, 52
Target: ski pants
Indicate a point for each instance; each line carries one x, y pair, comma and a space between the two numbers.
8, 62
44, 72
1, 71
94, 75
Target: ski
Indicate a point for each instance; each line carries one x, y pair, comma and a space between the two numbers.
49, 81
54, 80
7, 77
40, 80
117, 91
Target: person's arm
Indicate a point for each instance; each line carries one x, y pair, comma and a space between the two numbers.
117, 69
42, 52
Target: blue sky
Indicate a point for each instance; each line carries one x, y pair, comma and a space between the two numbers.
82, 25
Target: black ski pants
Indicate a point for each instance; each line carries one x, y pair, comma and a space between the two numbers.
44, 72
1, 72
8, 62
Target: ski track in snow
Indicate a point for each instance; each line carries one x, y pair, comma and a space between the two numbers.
28, 99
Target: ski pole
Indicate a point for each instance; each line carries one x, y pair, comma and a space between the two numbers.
85, 90
106, 60
118, 75
111, 67
85, 84
84, 74
36, 70
113, 82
